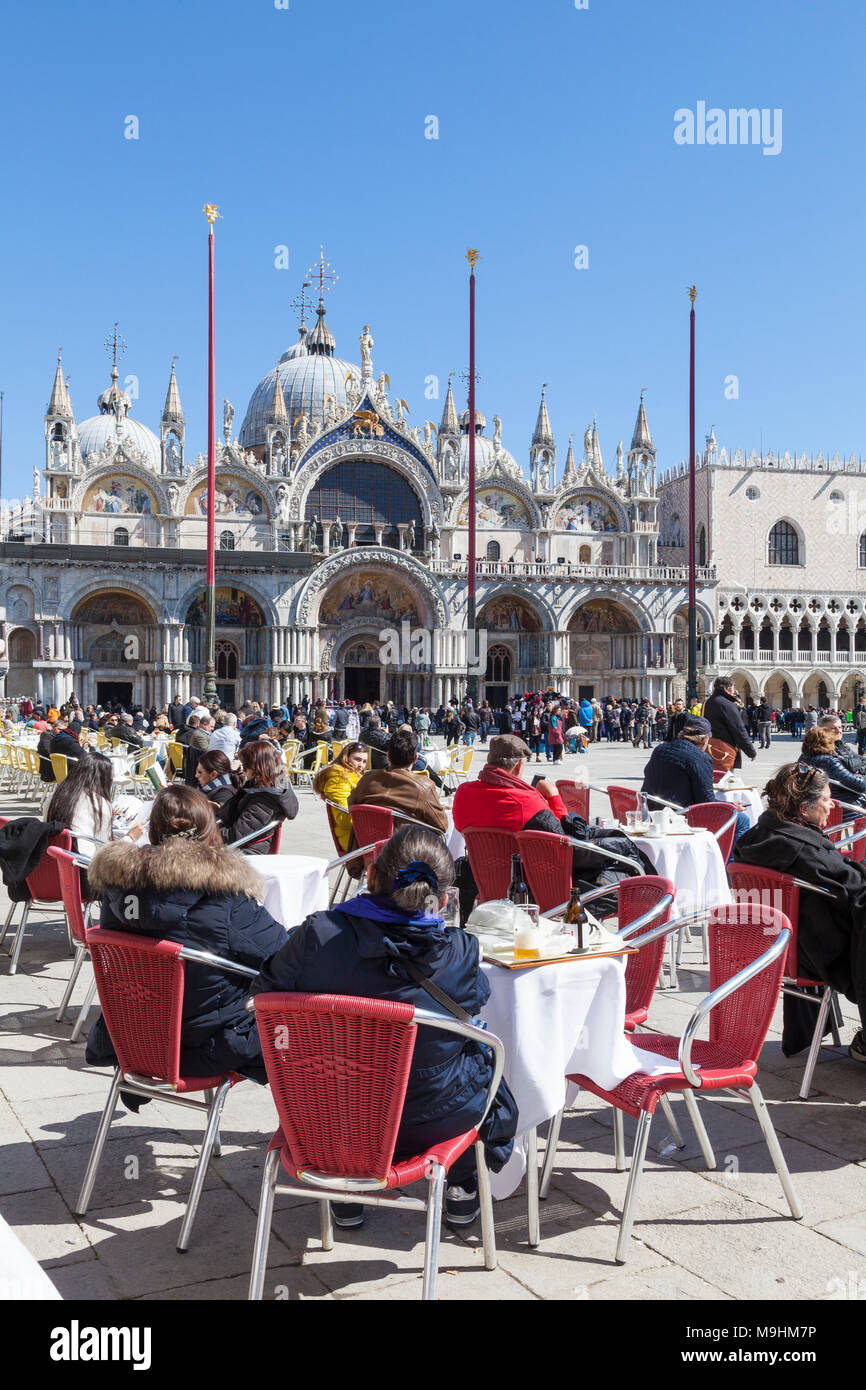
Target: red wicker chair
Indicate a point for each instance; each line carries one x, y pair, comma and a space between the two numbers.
371, 823
720, 818
77, 914
45, 892
490, 854
546, 860
648, 900
140, 984
745, 976
338, 1069
750, 884
575, 797
623, 800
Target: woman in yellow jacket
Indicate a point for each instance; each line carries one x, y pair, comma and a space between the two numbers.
336, 780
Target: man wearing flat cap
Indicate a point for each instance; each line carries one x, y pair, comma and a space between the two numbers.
500, 799
682, 771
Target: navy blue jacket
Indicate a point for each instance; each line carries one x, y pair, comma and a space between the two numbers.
255, 729
204, 898
336, 953
680, 772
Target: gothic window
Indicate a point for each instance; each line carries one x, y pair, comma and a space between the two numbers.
701, 545
843, 638
493, 550
823, 636
367, 494
227, 540
765, 638
226, 661
121, 536
862, 558
498, 666
784, 545
804, 637
747, 637
786, 637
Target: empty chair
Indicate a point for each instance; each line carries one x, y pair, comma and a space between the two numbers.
547, 861
623, 800
575, 797
77, 915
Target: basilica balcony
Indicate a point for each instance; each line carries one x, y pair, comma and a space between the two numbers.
743, 657
547, 569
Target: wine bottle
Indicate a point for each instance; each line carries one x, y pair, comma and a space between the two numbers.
576, 916
517, 890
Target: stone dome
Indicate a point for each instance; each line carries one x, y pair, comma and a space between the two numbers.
107, 430
486, 456
305, 380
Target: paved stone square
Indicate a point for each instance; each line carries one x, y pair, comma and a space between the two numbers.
722, 1235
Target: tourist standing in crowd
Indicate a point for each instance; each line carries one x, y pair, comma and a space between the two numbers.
555, 733
722, 709
764, 722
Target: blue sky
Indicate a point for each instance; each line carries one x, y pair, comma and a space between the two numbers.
556, 130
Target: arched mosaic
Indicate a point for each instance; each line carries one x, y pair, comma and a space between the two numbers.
121, 496
496, 508
234, 608
234, 498
369, 595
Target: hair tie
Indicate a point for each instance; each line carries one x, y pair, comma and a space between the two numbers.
414, 871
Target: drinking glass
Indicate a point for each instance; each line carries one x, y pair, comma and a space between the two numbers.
449, 911
527, 933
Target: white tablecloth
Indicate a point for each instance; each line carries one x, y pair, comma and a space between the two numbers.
295, 885
554, 1020
750, 798
454, 840
694, 863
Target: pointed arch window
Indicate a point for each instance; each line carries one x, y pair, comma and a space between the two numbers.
862, 557
227, 540
784, 548
701, 545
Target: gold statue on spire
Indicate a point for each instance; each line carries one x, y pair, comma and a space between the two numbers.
211, 212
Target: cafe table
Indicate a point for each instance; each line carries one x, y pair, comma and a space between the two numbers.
748, 797
295, 885
693, 862
554, 1020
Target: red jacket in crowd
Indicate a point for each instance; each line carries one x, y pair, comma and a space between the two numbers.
500, 801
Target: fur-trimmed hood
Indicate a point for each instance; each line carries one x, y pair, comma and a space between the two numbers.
174, 867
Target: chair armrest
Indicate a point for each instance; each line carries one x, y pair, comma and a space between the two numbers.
480, 1035
345, 858
208, 958
401, 815
92, 839
603, 892
631, 927
813, 888
742, 977
254, 835
607, 854
723, 829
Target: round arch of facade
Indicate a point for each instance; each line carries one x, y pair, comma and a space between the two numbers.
106, 473
119, 585
539, 605
601, 494
635, 610
677, 607
193, 591
228, 468
305, 610
389, 455
508, 484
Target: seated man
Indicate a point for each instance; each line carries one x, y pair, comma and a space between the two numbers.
376, 738
420, 764
501, 800
682, 771
126, 733
399, 788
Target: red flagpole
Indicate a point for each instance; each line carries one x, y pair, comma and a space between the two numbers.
472, 257
211, 213
692, 676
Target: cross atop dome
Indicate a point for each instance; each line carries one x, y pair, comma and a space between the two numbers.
321, 341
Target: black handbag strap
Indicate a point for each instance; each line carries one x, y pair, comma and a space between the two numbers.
436, 993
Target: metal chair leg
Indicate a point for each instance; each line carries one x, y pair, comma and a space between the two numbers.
550, 1153
705, 936
7, 923
80, 955
532, 1215
835, 1018
263, 1225
697, 1120
434, 1227
202, 1165
19, 940
83, 1012
217, 1146
676, 1133
618, 1141
634, 1177
326, 1225
815, 1045
776, 1154
98, 1146
673, 982
485, 1197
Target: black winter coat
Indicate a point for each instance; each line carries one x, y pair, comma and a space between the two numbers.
336, 953
831, 934
377, 740
251, 808
254, 729
844, 785
679, 772
726, 722
204, 898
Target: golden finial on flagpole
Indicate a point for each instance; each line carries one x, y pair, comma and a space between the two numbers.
693, 293
472, 257
211, 212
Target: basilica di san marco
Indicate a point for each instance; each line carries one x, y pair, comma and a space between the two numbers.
339, 514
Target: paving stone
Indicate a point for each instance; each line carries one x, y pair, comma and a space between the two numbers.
42, 1222
848, 1230
666, 1283
71, 1120
286, 1283
826, 1191
142, 1167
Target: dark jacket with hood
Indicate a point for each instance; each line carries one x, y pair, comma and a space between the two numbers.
205, 898
251, 808
845, 785
726, 722
831, 933
337, 953
680, 772
254, 729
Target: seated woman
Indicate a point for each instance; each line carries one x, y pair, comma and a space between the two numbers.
819, 750
215, 777
264, 796
831, 938
369, 946
335, 781
82, 802
321, 731
192, 890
